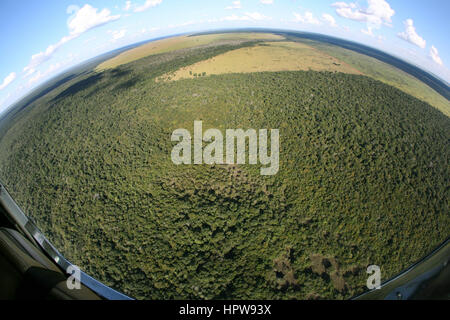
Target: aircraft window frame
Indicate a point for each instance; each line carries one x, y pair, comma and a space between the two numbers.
29, 228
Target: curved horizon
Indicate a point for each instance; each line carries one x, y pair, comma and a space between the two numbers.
413, 32
120, 50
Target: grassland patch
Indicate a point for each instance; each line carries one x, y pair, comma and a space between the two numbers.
182, 42
265, 56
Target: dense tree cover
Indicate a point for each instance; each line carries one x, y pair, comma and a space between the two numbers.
363, 180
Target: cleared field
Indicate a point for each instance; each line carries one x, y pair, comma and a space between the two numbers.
266, 56
386, 73
281, 56
182, 42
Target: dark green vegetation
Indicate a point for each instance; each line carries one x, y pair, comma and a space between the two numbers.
364, 179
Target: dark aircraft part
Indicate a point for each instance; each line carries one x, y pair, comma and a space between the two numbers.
428, 279
34, 260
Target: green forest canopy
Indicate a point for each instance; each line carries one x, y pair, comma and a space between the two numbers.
363, 180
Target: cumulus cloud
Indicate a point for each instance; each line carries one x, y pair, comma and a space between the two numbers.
38, 76
29, 72
344, 5
266, 1
82, 20
234, 5
328, 18
88, 18
249, 16
43, 56
434, 54
10, 78
411, 35
147, 5
52, 69
118, 34
232, 17
308, 18
377, 13
42, 75
368, 32
35, 78
256, 16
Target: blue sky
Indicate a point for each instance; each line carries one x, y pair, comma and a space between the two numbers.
43, 38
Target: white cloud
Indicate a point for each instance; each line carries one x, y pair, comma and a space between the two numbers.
10, 78
118, 34
368, 32
249, 16
145, 30
344, 5
83, 20
127, 6
37, 77
328, 18
411, 35
256, 16
266, 1
378, 12
87, 18
43, 56
50, 70
29, 72
308, 18
147, 5
234, 5
434, 54
233, 17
